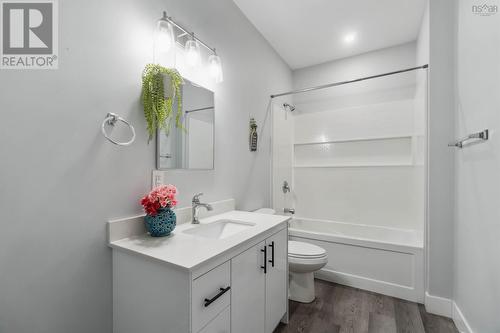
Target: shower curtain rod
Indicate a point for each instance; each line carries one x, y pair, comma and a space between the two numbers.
350, 81
200, 109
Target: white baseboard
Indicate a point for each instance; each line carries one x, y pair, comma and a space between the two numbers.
447, 308
460, 321
438, 305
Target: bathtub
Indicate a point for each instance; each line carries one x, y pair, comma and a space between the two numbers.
385, 260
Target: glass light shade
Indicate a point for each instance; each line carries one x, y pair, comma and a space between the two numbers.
164, 37
193, 56
215, 68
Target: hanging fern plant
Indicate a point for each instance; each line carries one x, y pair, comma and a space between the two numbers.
158, 107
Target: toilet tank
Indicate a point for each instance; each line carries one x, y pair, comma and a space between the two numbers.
268, 211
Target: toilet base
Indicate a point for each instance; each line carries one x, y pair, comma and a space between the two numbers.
301, 288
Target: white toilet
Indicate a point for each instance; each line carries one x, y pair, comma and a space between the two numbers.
303, 260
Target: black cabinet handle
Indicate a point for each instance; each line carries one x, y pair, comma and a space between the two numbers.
264, 250
272, 253
213, 299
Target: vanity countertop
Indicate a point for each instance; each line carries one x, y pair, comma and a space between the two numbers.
189, 251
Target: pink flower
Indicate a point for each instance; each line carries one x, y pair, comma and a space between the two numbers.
160, 197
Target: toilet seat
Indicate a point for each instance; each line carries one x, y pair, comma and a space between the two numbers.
308, 263
301, 250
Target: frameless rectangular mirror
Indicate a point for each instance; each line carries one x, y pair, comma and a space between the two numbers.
193, 146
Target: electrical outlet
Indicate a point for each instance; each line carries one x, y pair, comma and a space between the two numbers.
157, 178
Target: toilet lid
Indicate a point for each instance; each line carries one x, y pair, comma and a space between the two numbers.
301, 249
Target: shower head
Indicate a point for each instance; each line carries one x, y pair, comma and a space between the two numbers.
290, 107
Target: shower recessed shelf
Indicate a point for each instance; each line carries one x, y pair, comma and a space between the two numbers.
349, 165
380, 152
388, 137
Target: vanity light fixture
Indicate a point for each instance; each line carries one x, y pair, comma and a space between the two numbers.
193, 56
165, 39
192, 45
215, 68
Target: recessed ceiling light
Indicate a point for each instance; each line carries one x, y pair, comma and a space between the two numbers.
349, 38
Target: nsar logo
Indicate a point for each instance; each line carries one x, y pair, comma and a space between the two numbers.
485, 10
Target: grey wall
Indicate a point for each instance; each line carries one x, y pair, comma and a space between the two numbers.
440, 157
477, 213
60, 180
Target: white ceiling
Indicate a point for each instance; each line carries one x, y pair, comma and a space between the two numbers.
309, 32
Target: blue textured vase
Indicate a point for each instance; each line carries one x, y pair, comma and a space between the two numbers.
162, 223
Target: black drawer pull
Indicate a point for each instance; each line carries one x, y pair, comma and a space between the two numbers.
272, 253
213, 299
264, 251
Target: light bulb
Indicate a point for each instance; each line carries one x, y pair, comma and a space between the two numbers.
215, 68
164, 36
193, 56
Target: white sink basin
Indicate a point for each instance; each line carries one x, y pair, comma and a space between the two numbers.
219, 229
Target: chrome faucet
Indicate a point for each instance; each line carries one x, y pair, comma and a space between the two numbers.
289, 210
195, 204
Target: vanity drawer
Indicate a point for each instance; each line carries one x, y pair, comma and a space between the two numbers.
221, 323
210, 295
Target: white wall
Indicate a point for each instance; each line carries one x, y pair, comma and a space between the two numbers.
346, 179
421, 89
477, 213
440, 156
60, 179
423, 38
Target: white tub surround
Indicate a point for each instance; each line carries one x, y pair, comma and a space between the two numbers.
187, 282
384, 260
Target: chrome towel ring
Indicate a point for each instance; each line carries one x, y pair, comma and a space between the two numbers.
111, 119
478, 136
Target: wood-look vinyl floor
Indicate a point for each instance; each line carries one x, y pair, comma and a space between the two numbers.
344, 309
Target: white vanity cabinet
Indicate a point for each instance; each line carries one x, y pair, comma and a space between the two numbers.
276, 279
244, 289
248, 294
259, 286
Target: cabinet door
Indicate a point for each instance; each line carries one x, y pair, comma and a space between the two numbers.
248, 285
276, 279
